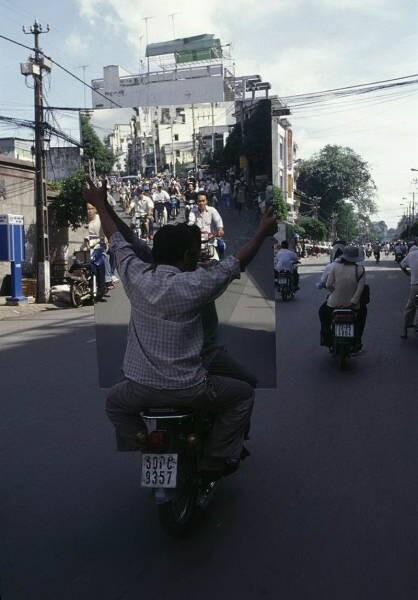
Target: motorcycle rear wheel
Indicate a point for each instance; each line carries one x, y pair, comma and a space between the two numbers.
76, 294
285, 295
178, 515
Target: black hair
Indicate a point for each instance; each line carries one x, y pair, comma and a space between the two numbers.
202, 193
284, 244
338, 253
172, 241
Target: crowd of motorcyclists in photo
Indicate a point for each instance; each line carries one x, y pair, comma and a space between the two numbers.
150, 203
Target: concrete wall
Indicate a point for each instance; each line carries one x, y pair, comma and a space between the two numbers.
62, 162
17, 196
182, 86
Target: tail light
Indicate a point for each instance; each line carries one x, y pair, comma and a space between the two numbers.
157, 439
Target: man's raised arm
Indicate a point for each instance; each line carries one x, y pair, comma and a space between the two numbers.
266, 228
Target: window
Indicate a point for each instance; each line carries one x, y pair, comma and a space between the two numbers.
180, 115
165, 116
177, 153
176, 137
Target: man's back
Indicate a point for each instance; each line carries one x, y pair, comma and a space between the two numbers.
285, 260
165, 334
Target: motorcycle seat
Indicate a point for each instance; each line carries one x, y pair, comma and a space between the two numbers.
167, 413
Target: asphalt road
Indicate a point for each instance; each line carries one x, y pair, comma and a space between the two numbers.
325, 507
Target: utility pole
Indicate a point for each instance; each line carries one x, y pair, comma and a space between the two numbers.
194, 141
213, 129
40, 63
172, 22
146, 19
84, 67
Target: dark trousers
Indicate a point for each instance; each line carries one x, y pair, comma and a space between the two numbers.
230, 400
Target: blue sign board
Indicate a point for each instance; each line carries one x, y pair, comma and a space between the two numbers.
12, 249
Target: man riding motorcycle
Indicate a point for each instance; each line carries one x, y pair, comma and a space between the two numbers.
164, 368
209, 221
346, 282
286, 260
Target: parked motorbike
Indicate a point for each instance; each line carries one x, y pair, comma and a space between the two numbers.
285, 285
82, 277
171, 448
343, 334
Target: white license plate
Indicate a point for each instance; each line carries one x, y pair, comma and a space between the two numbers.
345, 330
282, 281
159, 470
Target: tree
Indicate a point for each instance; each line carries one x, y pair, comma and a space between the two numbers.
313, 228
279, 204
69, 208
337, 175
94, 148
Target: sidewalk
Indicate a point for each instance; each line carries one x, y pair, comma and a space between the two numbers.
59, 294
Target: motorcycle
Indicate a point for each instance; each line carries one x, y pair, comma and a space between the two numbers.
343, 326
368, 253
161, 214
171, 449
138, 224
82, 277
175, 203
285, 285
212, 247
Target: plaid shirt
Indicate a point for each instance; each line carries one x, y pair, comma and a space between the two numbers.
165, 333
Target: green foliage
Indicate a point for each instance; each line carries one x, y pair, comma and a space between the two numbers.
414, 229
94, 148
257, 136
279, 205
337, 174
69, 209
313, 228
233, 148
256, 145
348, 224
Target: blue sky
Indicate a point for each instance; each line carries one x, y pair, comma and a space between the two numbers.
298, 45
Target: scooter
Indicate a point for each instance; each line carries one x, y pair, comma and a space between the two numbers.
172, 446
174, 206
343, 325
285, 286
138, 224
82, 277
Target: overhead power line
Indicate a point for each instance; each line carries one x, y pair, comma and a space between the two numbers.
63, 68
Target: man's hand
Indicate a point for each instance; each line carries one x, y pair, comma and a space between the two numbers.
268, 223
221, 232
95, 195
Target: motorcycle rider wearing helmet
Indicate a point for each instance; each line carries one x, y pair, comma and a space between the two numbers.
346, 282
162, 364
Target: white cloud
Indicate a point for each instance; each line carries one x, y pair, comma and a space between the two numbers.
76, 44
